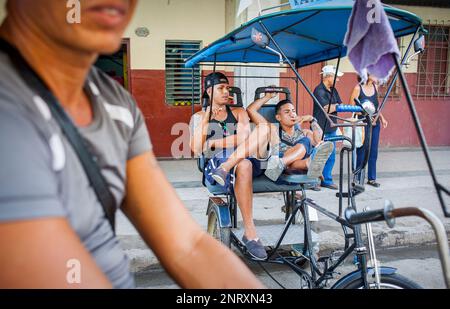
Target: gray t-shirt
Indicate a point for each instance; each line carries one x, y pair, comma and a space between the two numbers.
41, 176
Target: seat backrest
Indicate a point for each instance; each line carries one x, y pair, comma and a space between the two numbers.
201, 163
236, 93
268, 111
282, 90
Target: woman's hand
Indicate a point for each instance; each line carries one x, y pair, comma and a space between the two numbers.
384, 122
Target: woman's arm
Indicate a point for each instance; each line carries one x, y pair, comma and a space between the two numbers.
355, 94
384, 122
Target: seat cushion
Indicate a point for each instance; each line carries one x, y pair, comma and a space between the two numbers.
262, 184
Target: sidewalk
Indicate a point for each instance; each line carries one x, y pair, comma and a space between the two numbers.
402, 173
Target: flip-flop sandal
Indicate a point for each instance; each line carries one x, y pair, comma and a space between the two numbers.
319, 159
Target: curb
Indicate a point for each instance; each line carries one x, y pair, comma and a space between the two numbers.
143, 259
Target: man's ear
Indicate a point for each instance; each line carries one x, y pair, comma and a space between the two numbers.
278, 117
209, 91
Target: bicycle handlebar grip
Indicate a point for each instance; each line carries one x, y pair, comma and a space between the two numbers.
364, 217
342, 108
371, 216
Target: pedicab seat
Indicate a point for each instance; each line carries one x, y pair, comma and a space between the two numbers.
262, 184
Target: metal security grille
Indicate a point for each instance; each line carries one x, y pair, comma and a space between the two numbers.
178, 78
433, 72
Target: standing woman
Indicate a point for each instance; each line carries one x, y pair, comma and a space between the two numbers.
369, 91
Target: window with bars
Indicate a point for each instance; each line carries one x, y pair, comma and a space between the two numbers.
395, 91
433, 72
179, 87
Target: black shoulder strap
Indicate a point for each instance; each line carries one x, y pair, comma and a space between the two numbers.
91, 169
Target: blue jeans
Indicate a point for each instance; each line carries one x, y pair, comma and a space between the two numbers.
328, 169
373, 155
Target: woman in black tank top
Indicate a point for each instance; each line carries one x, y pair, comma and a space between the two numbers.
363, 92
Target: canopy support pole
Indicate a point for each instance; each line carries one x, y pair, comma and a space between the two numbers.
332, 92
193, 91
212, 92
439, 188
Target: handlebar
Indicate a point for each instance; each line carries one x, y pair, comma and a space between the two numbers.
389, 214
342, 108
371, 216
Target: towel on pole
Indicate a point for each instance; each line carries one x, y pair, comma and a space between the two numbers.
370, 40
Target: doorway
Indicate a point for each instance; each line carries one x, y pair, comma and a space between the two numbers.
117, 65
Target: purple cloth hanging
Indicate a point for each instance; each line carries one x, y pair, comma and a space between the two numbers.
370, 40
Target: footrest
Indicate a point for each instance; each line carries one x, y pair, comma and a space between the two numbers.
356, 189
299, 179
269, 234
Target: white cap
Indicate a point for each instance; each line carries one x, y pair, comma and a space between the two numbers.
331, 69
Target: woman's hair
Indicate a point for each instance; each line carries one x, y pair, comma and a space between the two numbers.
360, 79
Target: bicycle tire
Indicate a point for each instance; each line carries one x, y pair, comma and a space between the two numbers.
393, 281
221, 234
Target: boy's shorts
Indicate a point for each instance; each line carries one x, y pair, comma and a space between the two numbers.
306, 142
217, 160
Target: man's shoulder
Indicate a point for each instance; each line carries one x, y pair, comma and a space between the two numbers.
319, 87
11, 83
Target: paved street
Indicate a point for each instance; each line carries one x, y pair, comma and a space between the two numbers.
402, 173
419, 265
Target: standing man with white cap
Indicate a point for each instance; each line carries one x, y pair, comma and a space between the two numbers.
328, 97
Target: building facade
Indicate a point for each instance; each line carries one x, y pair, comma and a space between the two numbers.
165, 32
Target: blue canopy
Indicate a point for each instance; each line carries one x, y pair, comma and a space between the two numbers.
307, 35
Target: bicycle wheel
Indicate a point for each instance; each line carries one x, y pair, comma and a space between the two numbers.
221, 234
394, 281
